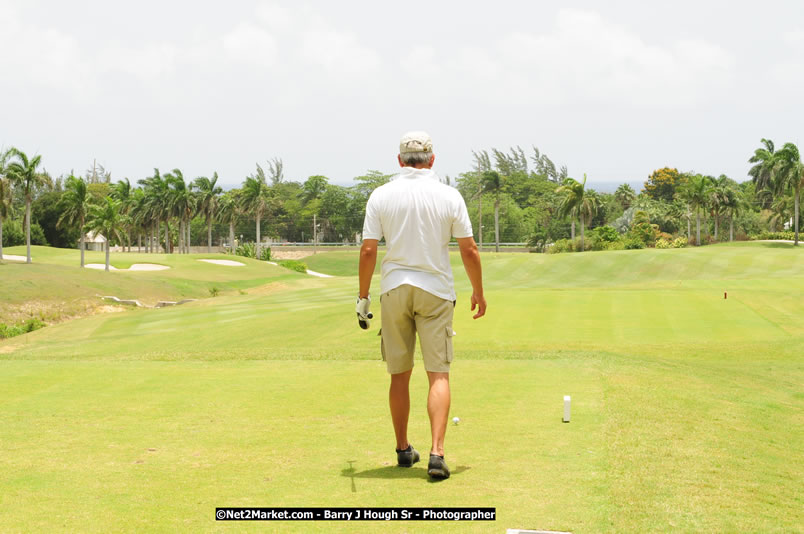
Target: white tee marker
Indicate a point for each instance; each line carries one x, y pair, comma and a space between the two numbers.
567, 400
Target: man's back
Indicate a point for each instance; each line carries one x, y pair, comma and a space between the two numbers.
417, 215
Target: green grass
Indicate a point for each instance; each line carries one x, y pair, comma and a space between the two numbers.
54, 287
687, 407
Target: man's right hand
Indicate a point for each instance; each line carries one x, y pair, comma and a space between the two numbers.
478, 302
363, 313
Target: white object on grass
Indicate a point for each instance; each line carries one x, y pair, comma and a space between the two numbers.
456, 420
228, 263
567, 401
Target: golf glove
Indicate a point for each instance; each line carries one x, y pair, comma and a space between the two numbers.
363, 313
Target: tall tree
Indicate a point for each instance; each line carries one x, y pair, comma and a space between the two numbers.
625, 196
578, 202
662, 184
788, 171
24, 173
182, 203
229, 212
482, 165
208, 201
696, 192
75, 203
276, 171
763, 160
493, 183
255, 200
6, 197
157, 206
733, 203
122, 191
106, 219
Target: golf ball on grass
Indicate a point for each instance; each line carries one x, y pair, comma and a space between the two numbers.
456, 420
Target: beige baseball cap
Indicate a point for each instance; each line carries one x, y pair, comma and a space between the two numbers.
415, 142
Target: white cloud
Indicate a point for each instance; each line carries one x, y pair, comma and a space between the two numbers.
149, 62
421, 61
338, 52
275, 16
251, 44
42, 56
588, 57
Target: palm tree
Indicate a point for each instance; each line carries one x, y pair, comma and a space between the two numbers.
493, 182
181, 203
255, 200
6, 198
579, 202
696, 192
24, 173
75, 203
122, 191
157, 206
573, 192
717, 198
208, 201
229, 213
788, 172
762, 171
138, 213
781, 212
733, 204
625, 196
106, 219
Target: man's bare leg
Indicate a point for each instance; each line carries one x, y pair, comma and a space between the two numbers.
438, 401
399, 400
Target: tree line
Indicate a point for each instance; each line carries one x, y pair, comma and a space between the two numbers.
523, 198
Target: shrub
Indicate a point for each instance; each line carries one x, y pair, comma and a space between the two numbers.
642, 230
679, 242
787, 236
663, 243
214, 291
294, 265
606, 234
30, 325
562, 245
247, 250
632, 243
14, 234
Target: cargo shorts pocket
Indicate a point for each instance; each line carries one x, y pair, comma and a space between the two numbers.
450, 334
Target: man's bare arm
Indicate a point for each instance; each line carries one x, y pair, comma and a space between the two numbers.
471, 262
368, 260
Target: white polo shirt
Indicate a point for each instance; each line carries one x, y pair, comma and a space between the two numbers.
418, 215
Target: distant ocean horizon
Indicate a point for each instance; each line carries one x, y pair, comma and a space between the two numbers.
611, 187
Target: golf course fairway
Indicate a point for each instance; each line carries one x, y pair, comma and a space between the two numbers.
685, 367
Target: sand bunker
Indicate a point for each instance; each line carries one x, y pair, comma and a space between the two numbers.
320, 275
135, 267
11, 257
228, 263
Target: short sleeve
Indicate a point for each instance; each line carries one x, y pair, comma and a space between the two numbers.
372, 226
461, 225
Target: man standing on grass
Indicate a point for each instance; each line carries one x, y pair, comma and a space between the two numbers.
417, 215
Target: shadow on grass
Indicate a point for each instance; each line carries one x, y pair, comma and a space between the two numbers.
393, 472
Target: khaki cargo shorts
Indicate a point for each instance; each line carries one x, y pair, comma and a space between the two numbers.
406, 310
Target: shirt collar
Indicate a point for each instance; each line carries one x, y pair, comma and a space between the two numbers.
412, 172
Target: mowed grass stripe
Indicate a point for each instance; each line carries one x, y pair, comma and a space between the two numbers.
163, 444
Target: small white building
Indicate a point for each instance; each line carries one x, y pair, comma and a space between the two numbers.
93, 241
